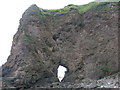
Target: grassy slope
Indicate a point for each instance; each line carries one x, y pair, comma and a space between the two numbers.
80, 8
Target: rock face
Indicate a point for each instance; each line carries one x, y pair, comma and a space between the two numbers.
85, 43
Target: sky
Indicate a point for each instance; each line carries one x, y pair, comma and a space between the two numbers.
61, 72
10, 13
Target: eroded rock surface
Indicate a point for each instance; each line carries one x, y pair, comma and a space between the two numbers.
85, 43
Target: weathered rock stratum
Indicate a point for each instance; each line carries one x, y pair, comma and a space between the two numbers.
83, 38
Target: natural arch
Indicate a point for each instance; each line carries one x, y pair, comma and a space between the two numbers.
61, 72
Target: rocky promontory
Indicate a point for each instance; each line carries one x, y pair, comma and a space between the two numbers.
84, 39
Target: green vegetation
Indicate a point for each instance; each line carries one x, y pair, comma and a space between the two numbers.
28, 37
55, 83
84, 8
105, 68
81, 9
42, 14
107, 9
58, 19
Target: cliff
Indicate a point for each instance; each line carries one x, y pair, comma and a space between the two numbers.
83, 38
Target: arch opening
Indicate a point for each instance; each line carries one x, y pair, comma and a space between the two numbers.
61, 72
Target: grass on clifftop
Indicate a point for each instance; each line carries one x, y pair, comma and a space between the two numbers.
80, 8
